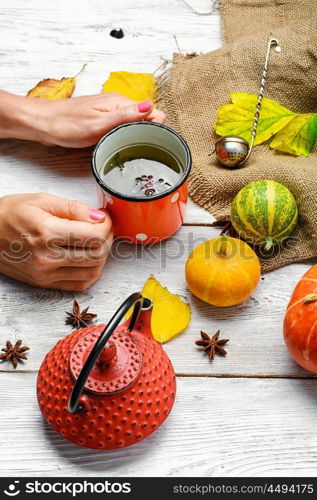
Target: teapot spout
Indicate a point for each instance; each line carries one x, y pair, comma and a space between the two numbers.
141, 318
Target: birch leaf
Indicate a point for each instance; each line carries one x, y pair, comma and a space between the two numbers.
237, 118
298, 137
136, 86
55, 89
170, 315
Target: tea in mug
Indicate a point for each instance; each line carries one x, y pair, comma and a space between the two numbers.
141, 171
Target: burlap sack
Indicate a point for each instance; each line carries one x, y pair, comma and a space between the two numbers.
195, 87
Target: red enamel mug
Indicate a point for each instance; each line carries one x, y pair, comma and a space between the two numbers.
144, 219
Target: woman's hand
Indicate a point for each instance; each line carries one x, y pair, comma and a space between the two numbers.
52, 242
77, 122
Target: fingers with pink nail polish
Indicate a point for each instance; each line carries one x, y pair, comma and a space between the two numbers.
145, 106
97, 215
136, 111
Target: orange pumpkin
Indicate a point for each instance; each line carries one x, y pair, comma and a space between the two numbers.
223, 271
300, 323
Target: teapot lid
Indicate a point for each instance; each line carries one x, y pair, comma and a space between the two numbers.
118, 365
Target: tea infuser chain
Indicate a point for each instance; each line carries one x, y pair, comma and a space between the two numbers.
233, 151
273, 42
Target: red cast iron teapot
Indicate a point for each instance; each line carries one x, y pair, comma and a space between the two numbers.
108, 394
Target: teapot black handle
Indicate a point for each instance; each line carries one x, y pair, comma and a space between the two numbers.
135, 299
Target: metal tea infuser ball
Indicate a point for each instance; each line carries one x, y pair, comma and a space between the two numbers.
233, 151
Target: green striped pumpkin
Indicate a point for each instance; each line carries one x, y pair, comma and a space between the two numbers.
264, 213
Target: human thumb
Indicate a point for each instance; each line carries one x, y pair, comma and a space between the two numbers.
131, 113
74, 210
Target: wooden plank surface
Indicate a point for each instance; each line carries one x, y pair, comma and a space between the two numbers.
41, 41
262, 404
256, 347
218, 427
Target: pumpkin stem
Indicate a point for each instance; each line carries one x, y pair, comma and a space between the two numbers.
311, 297
268, 243
222, 249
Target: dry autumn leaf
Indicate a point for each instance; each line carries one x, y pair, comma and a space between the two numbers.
136, 86
55, 89
171, 314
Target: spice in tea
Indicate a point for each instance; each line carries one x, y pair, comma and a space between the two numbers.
142, 171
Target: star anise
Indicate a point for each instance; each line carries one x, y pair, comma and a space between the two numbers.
78, 318
14, 352
212, 344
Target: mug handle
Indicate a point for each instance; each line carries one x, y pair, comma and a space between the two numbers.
136, 300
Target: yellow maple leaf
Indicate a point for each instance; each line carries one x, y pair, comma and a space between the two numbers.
136, 86
170, 315
55, 89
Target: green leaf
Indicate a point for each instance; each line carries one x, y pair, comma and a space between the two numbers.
298, 137
237, 118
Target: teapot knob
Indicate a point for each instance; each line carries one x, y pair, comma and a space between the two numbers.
107, 354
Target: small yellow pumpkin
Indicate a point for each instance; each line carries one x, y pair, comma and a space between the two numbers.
223, 271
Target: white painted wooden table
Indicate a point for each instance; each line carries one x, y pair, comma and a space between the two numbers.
251, 413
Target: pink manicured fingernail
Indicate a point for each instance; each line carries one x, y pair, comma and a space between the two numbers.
144, 106
96, 214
